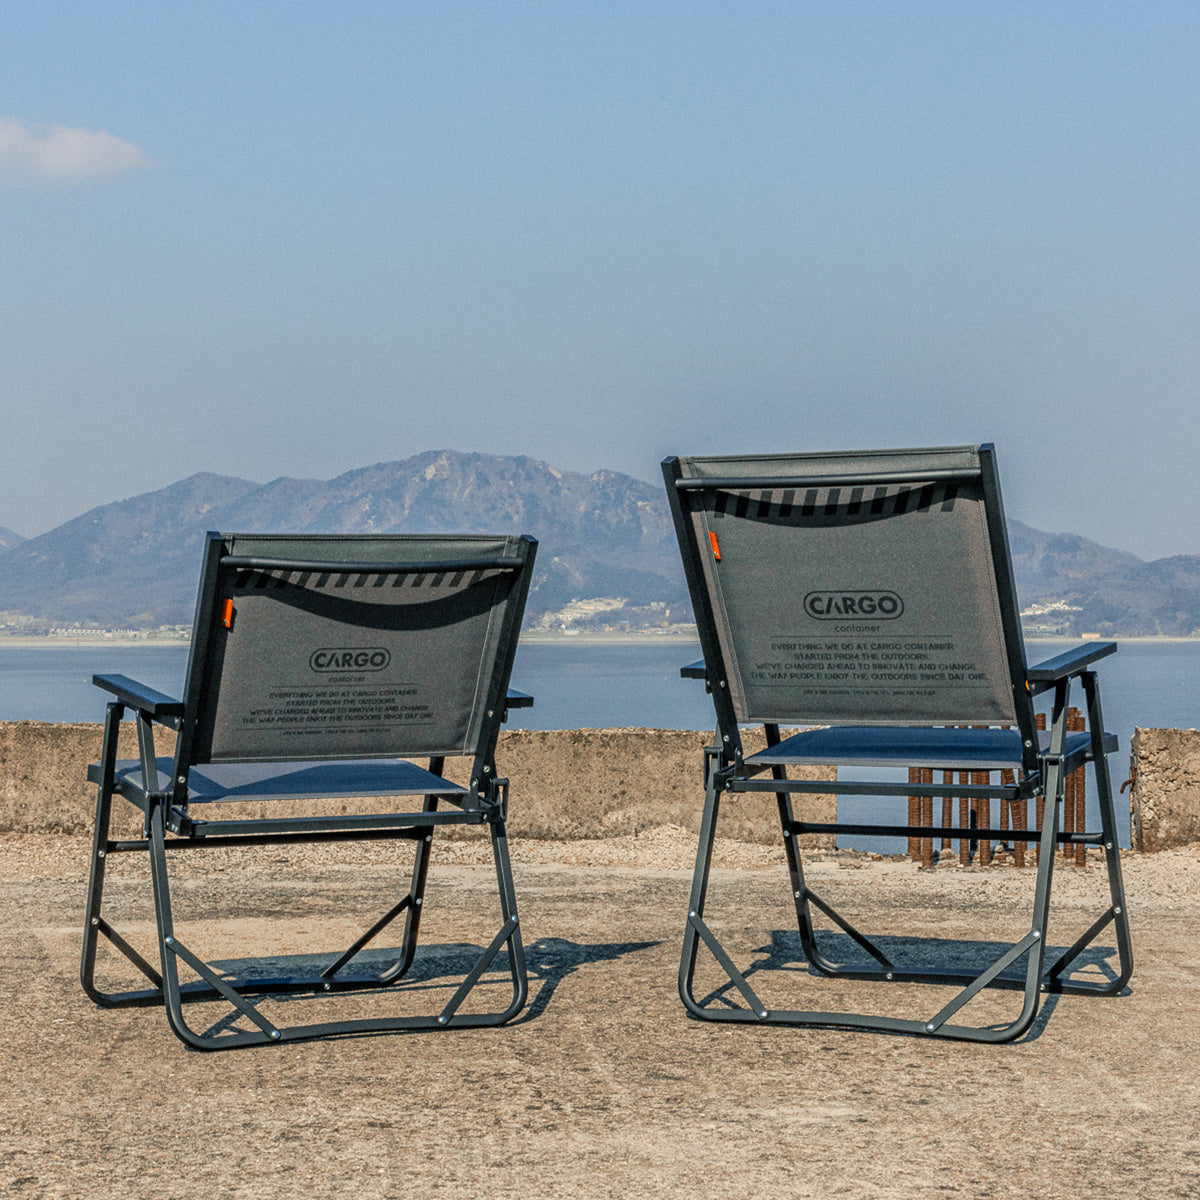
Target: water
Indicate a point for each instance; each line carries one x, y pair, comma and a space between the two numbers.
582, 685
575, 685
54, 682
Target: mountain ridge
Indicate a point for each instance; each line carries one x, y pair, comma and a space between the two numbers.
602, 534
607, 560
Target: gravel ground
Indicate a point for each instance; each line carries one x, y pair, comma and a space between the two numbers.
603, 1087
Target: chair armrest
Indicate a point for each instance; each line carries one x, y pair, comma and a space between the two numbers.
1070, 662
518, 699
696, 670
137, 695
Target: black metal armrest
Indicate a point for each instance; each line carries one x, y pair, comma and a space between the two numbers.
1070, 662
518, 699
137, 695
696, 670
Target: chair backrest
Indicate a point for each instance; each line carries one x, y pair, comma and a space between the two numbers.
853, 588
313, 646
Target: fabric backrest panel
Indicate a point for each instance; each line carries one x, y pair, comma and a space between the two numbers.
865, 603
313, 664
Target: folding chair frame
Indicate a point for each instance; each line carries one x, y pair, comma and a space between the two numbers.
169, 826
1046, 767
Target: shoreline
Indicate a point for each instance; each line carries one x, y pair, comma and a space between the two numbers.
33, 642
29, 642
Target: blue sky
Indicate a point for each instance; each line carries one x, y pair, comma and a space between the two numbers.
269, 239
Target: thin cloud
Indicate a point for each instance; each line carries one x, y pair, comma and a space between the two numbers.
57, 155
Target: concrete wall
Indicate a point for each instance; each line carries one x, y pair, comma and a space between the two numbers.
577, 783
572, 784
1165, 806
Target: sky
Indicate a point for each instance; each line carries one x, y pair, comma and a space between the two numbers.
266, 239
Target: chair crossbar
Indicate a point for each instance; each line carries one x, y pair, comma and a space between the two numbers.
440, 567
268, 829
213, 842
130, 953
1017, 791
742, 483
739, 980
856, 935
984, 978
971, 833
368, 936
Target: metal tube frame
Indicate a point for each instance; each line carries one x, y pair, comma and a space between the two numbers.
1037, 979
1043, 775
166, 987
169, 827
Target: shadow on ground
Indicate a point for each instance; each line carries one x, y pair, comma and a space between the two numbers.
436, 968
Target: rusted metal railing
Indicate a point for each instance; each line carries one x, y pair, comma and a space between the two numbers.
1013, 814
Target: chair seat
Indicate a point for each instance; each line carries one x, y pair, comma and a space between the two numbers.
291, 780
947, 748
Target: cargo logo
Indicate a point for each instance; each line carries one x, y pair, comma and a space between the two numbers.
841, 606
348, 658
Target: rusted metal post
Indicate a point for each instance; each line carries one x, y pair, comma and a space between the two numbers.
1068, 814
964, 820
927, 819
1020, 821
981, 809
1077, 785
983, 816
914, 815
947, 811
1012, 817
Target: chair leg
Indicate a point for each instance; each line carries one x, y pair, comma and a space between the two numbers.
94, 923
1117, 913
806, 900
92, 918
704, 851
415, 901
696, 930
803, 896
800, 893
95, 893
510, 932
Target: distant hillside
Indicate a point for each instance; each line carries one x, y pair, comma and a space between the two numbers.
1049, 565
607, 558
1072, 586
8, 539
134, 563
1160, 597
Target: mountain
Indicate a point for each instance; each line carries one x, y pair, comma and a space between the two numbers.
607, 558
1153, 598
133, 563
8, 539
1050, 565
1072, 586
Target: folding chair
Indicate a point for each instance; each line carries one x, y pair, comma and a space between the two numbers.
319, 666
871, 594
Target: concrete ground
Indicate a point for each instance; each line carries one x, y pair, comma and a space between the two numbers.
603, 1087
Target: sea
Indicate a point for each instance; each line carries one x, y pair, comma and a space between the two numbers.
591, 684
